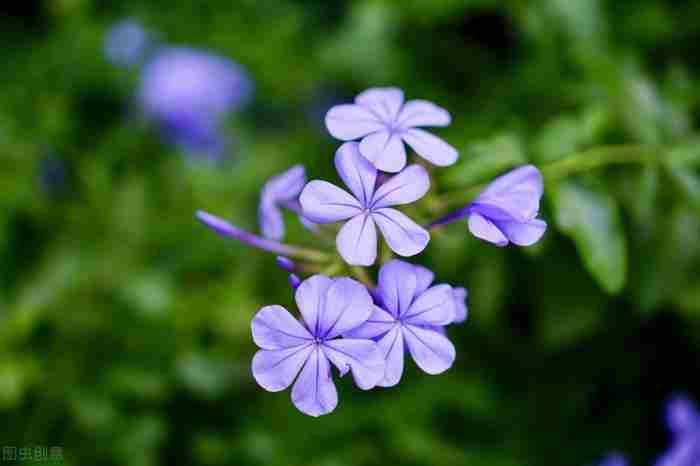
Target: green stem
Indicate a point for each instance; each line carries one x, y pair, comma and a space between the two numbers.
580, 162
599, 157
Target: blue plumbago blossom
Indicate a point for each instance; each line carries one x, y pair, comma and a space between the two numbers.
384, 122
126, 43
367, 206
330, 308
187, 92
411, 313
683, 421
281, 191
505, 212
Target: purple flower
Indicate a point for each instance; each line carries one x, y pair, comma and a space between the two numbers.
330, 308
614, 459
384, 122
410, 312
126, 43
188, 92
683, 420
280, 190
505, 211
323, 202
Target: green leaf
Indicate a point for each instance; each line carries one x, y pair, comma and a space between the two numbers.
592, 219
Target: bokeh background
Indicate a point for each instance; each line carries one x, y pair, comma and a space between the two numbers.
124, 324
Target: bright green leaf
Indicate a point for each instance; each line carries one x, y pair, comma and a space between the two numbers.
592, 219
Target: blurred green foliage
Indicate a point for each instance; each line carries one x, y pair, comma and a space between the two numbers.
124, 325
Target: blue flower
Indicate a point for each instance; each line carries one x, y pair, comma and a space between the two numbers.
188, 92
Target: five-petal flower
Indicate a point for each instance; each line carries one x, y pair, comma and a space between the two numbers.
384, 122
367, 206
410, 313
330, 308
506, 210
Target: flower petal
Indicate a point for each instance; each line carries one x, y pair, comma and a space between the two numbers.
404, 236
422, 113
357, 172
461, 310
275, 370
384, 102
513, 196
285, 186
357, 241
523, 234
403, 188
435, 306
323, 202
484, 229
362, 357
397, 286
430, 147
270, 220
310, 297
424, 278
431, 351
378, 323
347, 306
385, 150
391, 347
314, 392
274, 328
348, 122
280, 188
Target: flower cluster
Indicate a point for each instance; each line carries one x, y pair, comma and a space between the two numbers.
353, 324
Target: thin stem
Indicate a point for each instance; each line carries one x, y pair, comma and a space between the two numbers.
599, 157
580, 162
224, 228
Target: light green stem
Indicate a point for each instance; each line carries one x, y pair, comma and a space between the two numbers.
578, 163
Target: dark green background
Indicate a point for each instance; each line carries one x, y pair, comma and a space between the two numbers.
124, 324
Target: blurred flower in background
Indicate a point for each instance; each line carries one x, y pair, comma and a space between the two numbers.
683, 421
127, 43
188, 92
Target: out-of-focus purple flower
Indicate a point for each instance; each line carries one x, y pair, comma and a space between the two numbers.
280, 191
683, 421
330, 308
410, 313
613, 459
126, 43
505, 212
384, 122
187, 92
323, 202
